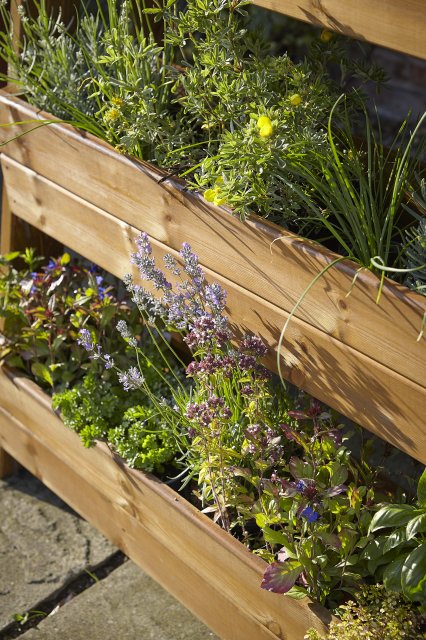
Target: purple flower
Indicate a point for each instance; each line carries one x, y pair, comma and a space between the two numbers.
215, 297
171, 264
51, 265
85, 340
191, 266
146, 264
108, 361
131, 379
310, 514
253, 345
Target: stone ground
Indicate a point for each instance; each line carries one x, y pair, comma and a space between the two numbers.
71, 583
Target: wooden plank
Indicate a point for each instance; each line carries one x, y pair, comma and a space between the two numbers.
193, 558
360, 388
261, 258
395, 24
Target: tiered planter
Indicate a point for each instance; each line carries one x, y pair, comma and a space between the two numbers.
359, 357
205, 568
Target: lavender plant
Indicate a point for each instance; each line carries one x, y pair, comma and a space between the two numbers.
261, 466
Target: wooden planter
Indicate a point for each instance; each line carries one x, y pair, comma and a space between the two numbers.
359, 357
210, 572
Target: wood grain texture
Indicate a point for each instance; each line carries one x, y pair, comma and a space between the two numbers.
395, 24
201, 565
361, 388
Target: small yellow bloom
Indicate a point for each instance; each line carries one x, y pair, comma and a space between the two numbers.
263, 120
218, 200
266, 131
326, 35
118, 102
296, 99
112, 114
214, 195
210, 195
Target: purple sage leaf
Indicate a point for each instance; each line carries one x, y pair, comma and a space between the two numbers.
280, 577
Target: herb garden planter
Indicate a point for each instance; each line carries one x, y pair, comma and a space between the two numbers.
205, 568
359, 357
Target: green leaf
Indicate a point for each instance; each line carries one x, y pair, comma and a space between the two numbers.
413, 577
41, 371
11, 256
395, 539
300, 469
274, 537
58, 341
297, 593
421, 489
261, 520
392, 516
339, 473
416, 525
392, 575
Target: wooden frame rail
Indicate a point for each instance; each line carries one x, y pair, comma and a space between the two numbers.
396, 24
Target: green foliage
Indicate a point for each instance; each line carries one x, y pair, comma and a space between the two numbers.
100, 409
143, 439
358, 189
92, 407
398, 554
44, 306
374, 614
415, 242
193, 102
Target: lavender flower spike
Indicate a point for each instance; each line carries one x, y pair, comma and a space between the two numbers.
131, 379
85, 340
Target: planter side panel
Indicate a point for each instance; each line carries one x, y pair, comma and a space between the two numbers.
206, 569
389, 23
359, 387
260, 258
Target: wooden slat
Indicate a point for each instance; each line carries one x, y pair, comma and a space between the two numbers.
261, 258
396, 24
368, 393
208, 570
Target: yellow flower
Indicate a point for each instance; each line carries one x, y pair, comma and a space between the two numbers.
262, 121
118, 102
210, 195
265, 126
296, 99
112, 114
326, 35
213, 195
218, 200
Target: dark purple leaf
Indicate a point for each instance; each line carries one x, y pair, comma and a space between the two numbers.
334, 491
299, 415
279, 577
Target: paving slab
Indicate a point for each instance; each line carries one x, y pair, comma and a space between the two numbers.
43, 544
127, 605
